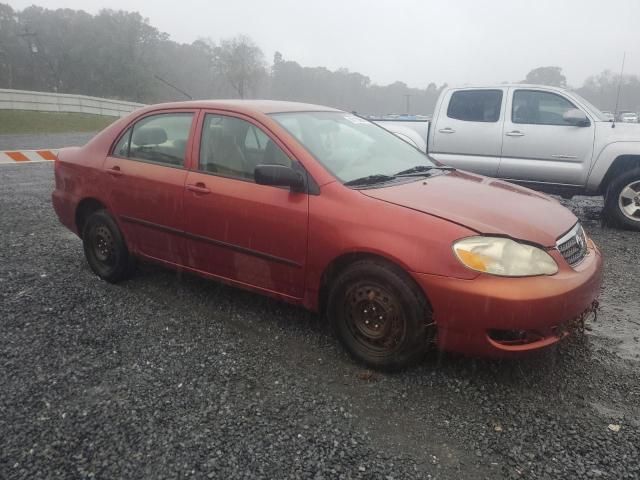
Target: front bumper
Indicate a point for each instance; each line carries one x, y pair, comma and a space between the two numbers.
473, 316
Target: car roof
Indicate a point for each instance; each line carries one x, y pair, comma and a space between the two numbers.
509, 85
262, 106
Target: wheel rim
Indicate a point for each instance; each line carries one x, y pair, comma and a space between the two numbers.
374, 317
103, 245
629, 201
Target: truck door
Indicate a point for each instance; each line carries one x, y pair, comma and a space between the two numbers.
468, 130
539, 145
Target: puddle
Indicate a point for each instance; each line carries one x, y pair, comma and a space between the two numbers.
620, 324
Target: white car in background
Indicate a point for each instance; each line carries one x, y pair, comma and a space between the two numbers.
629, 117
608, 115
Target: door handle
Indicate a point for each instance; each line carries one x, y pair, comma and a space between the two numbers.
447, 130
115, 171
199, 187
515, 133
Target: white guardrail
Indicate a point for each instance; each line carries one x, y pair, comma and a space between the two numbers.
64, 102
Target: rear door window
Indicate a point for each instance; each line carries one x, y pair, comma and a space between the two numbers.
475, 105
158, 138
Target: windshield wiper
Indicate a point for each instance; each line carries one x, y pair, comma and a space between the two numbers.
370, 180
417, 171
421, 169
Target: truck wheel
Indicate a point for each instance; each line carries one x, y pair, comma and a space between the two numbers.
105, 248
380, 316
622, 202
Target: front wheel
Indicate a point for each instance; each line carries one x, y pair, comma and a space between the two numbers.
380, 316
622, 202
105, 248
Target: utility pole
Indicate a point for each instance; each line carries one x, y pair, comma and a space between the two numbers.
30, 38
407, 97
35, 48
6, 63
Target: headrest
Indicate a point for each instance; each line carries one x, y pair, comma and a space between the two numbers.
149, 136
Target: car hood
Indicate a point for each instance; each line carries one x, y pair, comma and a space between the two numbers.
486, 205
623, 132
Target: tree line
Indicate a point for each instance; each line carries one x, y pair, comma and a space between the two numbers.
117, 54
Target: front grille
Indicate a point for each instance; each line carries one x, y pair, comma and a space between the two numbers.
573, 245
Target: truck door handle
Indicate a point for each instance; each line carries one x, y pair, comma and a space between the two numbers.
115, 171
515, 133
199, 187
447, 130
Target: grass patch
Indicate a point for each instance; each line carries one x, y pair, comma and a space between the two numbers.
22, 121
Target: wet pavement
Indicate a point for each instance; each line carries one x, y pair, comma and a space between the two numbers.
48, 141
171, 376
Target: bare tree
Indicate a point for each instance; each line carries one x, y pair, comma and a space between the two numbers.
241, 62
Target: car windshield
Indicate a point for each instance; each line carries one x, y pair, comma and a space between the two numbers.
351, 147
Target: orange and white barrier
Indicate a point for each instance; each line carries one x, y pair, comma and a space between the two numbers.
27, 156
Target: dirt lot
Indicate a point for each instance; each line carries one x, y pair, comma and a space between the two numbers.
169, 376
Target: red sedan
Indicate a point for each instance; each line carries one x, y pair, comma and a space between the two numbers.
327, 210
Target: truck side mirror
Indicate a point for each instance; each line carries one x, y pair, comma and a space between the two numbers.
576, 117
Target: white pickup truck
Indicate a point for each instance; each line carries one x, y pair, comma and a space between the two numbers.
546, 138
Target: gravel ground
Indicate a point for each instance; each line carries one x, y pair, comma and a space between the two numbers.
47, 140
168, 376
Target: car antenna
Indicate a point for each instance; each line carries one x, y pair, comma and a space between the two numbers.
173, 86
615, 110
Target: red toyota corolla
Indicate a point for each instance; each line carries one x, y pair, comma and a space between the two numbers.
324, 209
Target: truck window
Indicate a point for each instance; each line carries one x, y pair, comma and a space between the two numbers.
475, 105
539, 108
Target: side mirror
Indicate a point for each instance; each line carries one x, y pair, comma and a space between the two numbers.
576, 117
279, 176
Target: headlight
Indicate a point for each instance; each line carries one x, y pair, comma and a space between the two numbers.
503, 256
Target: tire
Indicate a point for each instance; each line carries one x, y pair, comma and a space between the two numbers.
371, 291
105, 248
622, 202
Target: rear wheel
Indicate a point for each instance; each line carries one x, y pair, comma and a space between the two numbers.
380, 316
622, 203
105, 248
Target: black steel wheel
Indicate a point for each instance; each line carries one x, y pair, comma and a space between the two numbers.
105, 248
375, 317
380, 315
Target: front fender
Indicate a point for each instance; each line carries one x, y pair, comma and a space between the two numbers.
605, 160
345, 222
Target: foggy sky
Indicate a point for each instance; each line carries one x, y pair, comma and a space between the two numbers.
415, 41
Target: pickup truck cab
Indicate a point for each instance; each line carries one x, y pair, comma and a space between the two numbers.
546, 138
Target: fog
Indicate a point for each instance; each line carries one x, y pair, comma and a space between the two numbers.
414, 41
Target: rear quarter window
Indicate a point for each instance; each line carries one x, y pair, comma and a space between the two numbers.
122, 147
475, 105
